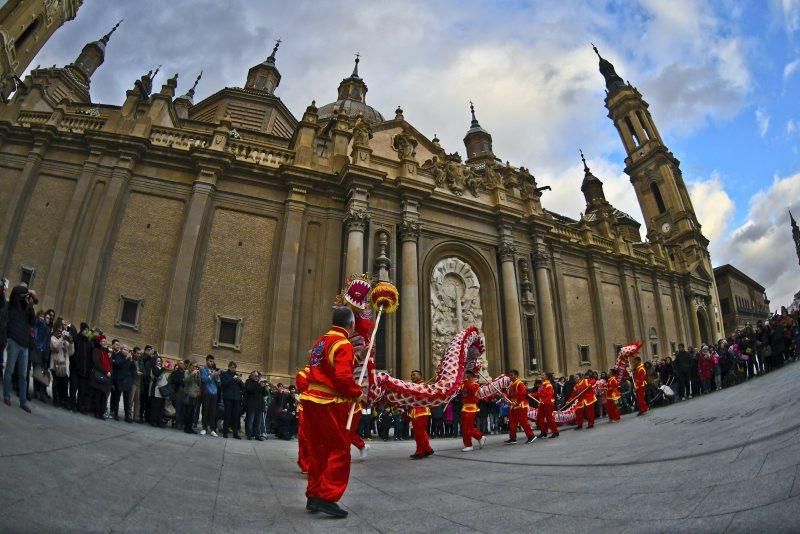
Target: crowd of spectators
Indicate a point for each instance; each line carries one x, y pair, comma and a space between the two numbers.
87, 373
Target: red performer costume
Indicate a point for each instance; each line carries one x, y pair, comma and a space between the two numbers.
584, 392
326, 405
547, 404
469, 411
420, 417
301, 381
518, 411
640, 385
612, 396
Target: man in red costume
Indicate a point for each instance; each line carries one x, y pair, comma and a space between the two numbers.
420, 417
640, 385
356, 297
326, 404
301, 381
547, 404
612, 396
469, 411
584, 392
518, 411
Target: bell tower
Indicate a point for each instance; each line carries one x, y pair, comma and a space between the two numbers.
795, 235
656, 177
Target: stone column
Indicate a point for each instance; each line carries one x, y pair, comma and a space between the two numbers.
286, 282
662, 321
409, 299
355, 221
69, 233
596, 287
18, 203
91, 275
178, 304
516, 356
541, 266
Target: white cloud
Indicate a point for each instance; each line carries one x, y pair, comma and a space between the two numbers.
762, 118
713, 207
791, 127
791, 14
762, 245
790, 68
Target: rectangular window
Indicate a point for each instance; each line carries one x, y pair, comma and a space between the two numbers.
654, 349
228, 332
583, 350
726, 306
26, 273
129, 313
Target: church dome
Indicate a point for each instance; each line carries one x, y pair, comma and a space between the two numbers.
351, 108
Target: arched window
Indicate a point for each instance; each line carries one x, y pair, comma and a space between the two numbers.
657, 195
635, 137
644, 125
27, 33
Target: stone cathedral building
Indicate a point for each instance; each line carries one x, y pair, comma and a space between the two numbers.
227, 226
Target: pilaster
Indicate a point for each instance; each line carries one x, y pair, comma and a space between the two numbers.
409, 290
541, 266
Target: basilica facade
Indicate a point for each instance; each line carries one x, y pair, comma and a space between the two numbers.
228, 225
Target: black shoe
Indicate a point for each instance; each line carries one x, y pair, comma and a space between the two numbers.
116, 418
530, 440
128, 420
590, 426
554, 435
249, 438
578, 428
225, 435
259, 438
237, 436
510, 441
542, 435
140, 421
330, 508
190, 431
429, 453
417, 456
311, 505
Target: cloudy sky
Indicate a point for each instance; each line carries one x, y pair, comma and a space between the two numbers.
721, 78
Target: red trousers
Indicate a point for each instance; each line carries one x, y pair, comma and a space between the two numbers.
355, 438
588, 411
518, 417
421, 435
613, 411
545, 419
640, 402
328, 449
468, 430
302, 444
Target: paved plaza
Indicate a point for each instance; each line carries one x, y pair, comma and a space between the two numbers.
727, 462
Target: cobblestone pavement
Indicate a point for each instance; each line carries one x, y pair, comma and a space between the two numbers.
725, 462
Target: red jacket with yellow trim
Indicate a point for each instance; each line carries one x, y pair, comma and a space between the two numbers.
518, 393
585, 389
301, 379
640, 377
331, 369
612, 389
546, 394
469, 396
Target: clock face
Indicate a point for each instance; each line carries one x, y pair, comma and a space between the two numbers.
666, 227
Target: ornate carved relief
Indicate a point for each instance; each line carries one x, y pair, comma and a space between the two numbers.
382, 262
356, 219
507, 251
405, 144
451, 173
542, 257
455, 304
362, 132
409, 230
525, 277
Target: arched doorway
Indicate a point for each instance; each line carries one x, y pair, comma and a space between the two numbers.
705, 332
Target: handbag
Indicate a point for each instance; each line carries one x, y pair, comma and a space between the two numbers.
169, 409
101, 378
60, 369
41, 375
166, 391
37, 358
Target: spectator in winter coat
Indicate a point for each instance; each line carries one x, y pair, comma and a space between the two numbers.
21, 319
254, 404
231, 384
101, 376
705, 369
123, 377
191, 394
61, 348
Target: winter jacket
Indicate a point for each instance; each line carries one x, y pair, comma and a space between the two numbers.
191, 385
231, 388
254, 396
61, 348
81, 361
21, 317
101, 361
123, 375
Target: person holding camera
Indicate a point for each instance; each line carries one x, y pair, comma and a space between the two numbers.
101, 376
254, 405
209, 379
231, 384
191, 392
21, 321
61, 349
124, 376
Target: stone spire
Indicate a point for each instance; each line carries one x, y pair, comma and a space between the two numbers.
92, 56
353, 88
265, 76
186, 101
613, 80
355, 67
591, 186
